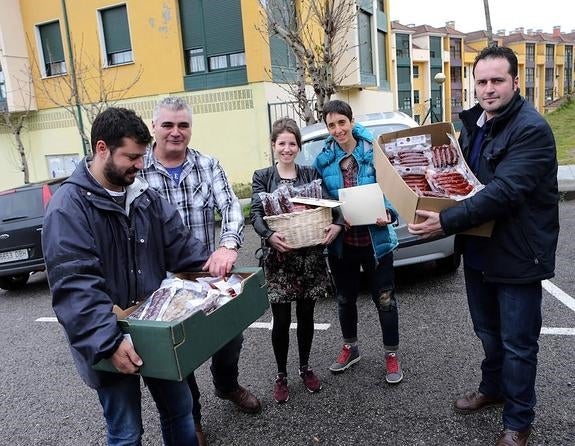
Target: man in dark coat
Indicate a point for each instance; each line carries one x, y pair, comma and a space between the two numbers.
511, 150
110, 240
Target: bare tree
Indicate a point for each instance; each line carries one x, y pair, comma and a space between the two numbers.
315, 31
87, 89
15, 121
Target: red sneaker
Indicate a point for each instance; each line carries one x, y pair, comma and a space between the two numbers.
281, 394
310, 380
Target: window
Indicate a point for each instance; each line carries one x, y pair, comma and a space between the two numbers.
402, 45
549, 54
465, 72
53, 62
365, 43
455, 48
383, 78
226, 61
530, 94
530, 50
116, 33
416, 96
529, 75
435, 47
2, 84
381, 5
415, 71
196, 60
213, 40
455, 73
549, 74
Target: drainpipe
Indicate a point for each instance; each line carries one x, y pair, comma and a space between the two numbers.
73, 77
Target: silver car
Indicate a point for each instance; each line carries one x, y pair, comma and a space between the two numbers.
412, 249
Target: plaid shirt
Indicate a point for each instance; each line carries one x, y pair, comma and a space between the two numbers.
356, 235
203, 189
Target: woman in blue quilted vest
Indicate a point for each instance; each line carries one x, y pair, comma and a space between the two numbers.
346, 160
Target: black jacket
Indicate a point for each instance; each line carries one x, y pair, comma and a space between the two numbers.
99, 254
518, 166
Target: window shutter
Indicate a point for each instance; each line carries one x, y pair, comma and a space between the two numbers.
116, 30
51, 42
223, 27
191, 17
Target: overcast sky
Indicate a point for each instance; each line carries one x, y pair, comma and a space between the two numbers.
469, 15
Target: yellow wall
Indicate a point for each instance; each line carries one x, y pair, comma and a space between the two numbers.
155, 38
258, 58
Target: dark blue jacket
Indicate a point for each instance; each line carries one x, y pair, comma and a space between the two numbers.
99, 254
383, 238
518, 166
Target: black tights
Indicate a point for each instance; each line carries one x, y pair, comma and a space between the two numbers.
280, 331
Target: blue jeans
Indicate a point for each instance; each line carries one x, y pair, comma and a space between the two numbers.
121, 403
507, 320
224, 372
381, 285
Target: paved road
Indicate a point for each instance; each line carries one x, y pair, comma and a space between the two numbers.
42, 401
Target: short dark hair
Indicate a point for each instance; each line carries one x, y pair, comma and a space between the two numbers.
286, 125
116, 123
337, 106
496, 52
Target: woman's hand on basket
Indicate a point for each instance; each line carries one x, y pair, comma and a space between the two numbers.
277, 241
331, 232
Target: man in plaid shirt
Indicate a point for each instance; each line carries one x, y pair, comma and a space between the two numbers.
197, 185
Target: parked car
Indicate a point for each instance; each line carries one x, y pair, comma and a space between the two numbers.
21, 214
412, 249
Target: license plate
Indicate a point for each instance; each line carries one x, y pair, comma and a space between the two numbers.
12, 256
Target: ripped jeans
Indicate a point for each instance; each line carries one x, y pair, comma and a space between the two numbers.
379, 281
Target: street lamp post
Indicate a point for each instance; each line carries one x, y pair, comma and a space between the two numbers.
439, 79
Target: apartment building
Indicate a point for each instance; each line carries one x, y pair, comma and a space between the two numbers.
216, 55
546, 67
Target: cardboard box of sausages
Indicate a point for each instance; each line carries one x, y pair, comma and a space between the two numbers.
172, 348
423, 168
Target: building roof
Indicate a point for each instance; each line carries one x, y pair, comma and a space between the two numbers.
451, 31
476, 35
427, 29
396, 26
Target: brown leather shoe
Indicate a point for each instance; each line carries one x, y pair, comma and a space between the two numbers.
513, 438
475, 401
244, 400
200, 435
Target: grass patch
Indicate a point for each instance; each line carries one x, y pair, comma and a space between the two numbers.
561, 122
242, 190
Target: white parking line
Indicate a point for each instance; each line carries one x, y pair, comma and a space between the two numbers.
46, 319
558, 331
266, 325
564, 298
559, 294
551, 288
293, 326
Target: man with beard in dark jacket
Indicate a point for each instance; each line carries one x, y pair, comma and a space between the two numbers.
110, 240
511, 150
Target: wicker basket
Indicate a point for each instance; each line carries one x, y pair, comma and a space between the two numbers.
302, 228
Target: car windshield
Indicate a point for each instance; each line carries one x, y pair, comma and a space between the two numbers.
21, 204
312, 147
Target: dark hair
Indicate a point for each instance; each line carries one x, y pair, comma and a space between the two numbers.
337, 106
114, 124
286, 125
496, 52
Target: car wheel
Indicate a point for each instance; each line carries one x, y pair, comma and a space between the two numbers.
449, 264
16, 282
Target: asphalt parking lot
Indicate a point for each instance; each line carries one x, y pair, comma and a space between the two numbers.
43, 402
